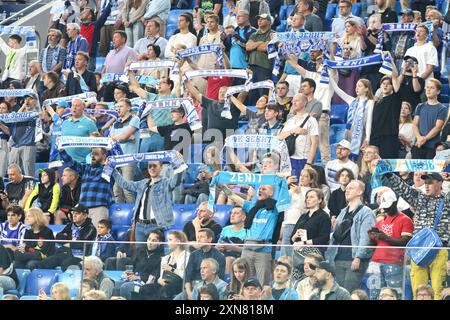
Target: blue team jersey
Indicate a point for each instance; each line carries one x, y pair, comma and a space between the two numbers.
228, 232
12, 233
264, 222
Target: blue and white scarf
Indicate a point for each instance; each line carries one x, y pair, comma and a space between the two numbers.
115, 77
84, 142
84, 87
224, 177
72, 50
355, 123
207, 48
16, 117
76, 235
171, 156
14, 92
157, 64
83, 96
401, 27
267, 84
404, 165
444, 67
111, 113
265, 142
55, 57
169, 104
28, 31
230, 73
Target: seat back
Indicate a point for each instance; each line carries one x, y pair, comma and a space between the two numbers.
40, 278
29, 298
337, 132
338, 113
174, 14
222, 214
182, 214
22, 275
121, 214
331, 11
72, 279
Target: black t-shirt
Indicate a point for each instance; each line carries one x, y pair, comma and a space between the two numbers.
345, 253
5, 263
215, 120
408, 94
337, 202
386, 116
173, 134
16, 191
47, 248
389, 16
189, 230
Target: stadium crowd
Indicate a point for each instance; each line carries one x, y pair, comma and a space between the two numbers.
115, 70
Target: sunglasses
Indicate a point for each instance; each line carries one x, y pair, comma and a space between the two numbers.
312, 266
152, 166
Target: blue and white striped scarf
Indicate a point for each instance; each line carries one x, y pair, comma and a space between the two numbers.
115, 77
27, 31
171, 156
83, 96
72, 50
401, 27
84, 142
230, 73
355, 123
16, 117
14, 92
55, 57
157, 64
111, 113
203, 49
267, 84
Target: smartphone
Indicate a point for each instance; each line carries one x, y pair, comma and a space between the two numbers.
375, 229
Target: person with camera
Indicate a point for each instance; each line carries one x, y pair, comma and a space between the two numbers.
394, 228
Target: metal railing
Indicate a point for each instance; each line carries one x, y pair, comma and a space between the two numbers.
23, 12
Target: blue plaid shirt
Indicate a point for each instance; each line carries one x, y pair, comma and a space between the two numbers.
95, 191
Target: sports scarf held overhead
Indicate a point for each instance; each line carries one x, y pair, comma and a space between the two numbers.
115, 77
401, 27
171, 156
91, 96
28, 31
169, 104
207, 48
230, 73
255, 141
111, 113
379, 58
17, 117
404, 165
267, 84
296, 43
355, 123
225, 177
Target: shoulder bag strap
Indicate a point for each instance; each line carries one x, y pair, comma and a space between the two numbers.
306, 120
437, 218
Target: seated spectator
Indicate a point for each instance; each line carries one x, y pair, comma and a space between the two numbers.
208, 292
59, 291
388, 294
80, 229
192, 275
370, 153
87, 285
45, 195
337, 199
343, 151
324, 281
31, 253
146, 266
70, 195
13, 228
209, 269
199, 192
104, 121
281, 289
95, 295
359, 294
241, 272
252, 290
424, 292
406, 131
93, 269
203, 220
104, 250
306, 286
8, 275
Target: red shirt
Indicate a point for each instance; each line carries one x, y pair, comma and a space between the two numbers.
395, 227
214, 84
87, 31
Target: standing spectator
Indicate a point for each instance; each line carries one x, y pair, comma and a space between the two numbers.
429, 119
15, 59
394, 230
306, 129
272, 125
342, 161
70, 195
118, 57
113, 23
5, 133
314, 106
210, 5
126, 131
8, 277
424, 52
283, 101
402, 41
351, 229
426, 206
370, 153
80, 79
90, 30
184, 37
326, 282
405, 131
78, 124
312, 22
23, 146
77, 43
151, 37
52, 57
158, 10
387, 14
305, 288
385, 120
345, 14
256, 48
132, 18
96, 192
337, 200
18, 189
204, 219
103, 249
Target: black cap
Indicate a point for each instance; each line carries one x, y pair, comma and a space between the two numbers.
252, 282
432, 176
408, 12
445, 144
406, 58
327, 266
31, 95
179, 110
80, 208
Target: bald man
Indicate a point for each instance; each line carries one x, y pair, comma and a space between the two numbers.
263, 223
79, 125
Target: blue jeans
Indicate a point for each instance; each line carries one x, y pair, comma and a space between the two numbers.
297, 167
142, 231
287, 231
389, 275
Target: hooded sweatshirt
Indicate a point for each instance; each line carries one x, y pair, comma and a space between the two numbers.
48, 197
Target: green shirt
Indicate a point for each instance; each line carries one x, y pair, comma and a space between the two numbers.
160, 117
259, 58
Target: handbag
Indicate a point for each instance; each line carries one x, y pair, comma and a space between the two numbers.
428, 239
174, 284
290, 141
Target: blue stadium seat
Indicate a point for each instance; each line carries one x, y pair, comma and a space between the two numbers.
357, 8
398, 7
40, 278
170, 28
29, 298
113, 274
282, 14
71, 278
182, 214
56, 228
282, 27
222, 214
331, 11
192, 173
445, 90
444, 98
22, 275
99, 63
174, 14
289, 10
196, 152
337, 133
121, 214
338, 113
38, 166
120, 232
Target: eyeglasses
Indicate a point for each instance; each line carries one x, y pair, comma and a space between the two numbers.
152, 166
311, 266
423, 295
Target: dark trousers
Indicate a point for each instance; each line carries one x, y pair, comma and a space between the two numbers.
348, 278
26, 260
388, 145
259, 74
422, 153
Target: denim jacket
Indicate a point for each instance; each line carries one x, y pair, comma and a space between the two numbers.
160, 195
363, 221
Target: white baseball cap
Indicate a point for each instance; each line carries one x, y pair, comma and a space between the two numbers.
387, 199
345, 144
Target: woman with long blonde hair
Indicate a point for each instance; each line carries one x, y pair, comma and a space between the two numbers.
59, 292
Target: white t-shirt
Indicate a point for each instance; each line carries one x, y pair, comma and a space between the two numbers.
303, 142
406, 129
334, 166
425, 54
322, 93
297, 207
188, 39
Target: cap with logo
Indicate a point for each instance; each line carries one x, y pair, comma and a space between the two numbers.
344, 144
265, 16
252, 282
387, 199
432, 176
